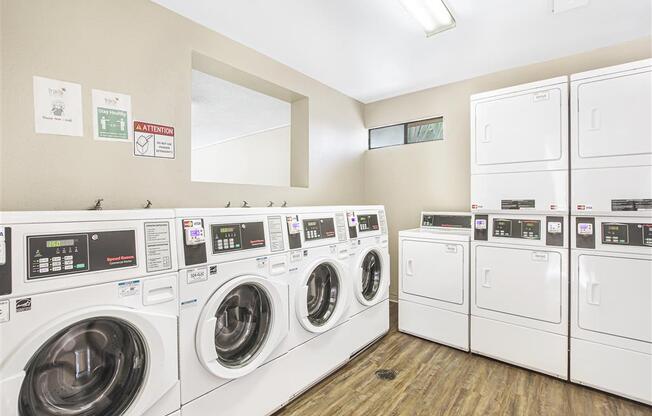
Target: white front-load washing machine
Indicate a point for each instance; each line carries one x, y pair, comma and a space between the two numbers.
519, 148
320, 292
234, 311
88, 313
611, 305
370, 273
433, 296
611, 140
519, 290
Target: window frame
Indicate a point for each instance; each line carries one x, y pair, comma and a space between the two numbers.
405, 132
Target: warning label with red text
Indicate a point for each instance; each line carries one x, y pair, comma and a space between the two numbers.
153, 140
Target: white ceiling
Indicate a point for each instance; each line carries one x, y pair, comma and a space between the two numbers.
372, 49
224, 111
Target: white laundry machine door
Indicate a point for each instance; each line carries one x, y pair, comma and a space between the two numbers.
521, 129
614, 296
371, 276
322, 296
519, 282
434, 270
241, 325
612, 126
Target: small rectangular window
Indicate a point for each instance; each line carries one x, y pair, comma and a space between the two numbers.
406, 133
386, 136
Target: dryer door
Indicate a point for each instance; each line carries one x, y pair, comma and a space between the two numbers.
322, 296
520, 282
615, 296
523, 131
240, 326
94, 367
433, 269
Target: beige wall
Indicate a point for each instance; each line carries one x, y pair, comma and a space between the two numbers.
267, 154
436, 175
139, 48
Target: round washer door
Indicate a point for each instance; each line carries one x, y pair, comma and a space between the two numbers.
93, 367
240, 326
373, 277
321, 298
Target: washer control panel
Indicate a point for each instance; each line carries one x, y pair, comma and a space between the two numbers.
318, 228
64, 254
368, 222
517, 228
237, 236
446, 220
627, 234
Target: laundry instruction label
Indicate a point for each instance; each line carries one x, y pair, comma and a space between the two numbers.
157, 246
153, 140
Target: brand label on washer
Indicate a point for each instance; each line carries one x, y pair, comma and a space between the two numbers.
541, 96
196, 275
130, 288
157, 246
24, 305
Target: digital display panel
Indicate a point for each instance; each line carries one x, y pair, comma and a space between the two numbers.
59, 243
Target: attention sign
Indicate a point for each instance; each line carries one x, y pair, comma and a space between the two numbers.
153, 140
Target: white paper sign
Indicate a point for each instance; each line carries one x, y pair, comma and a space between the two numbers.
57, 107
111, 116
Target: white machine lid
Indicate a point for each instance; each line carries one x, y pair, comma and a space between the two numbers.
437, 234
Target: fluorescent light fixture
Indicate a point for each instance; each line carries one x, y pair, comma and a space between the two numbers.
433, 15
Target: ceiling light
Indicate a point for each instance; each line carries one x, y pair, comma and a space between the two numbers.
433, 15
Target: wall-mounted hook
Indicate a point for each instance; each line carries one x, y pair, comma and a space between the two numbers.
228, 205
245, 204
285, 204
98, 205
148, 204
270, 204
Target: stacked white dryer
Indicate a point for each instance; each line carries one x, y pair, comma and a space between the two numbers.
519, 252
611, 249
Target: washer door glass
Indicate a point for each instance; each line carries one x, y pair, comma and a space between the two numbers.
371, 275
93, 367
244, 321
323, 291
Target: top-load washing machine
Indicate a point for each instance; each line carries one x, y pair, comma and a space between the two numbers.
519, 148
88, 313
611, 140
320, 294
234, 310
433, 296
370, 274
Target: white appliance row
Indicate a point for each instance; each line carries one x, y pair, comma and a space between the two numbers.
556, 252
98, 317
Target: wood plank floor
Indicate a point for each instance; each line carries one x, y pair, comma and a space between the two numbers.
436, 380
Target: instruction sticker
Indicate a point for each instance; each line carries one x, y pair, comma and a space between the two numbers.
153, 140
157, 246
111, 116
130, 288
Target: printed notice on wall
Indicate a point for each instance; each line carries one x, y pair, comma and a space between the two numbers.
111, 116
57, 107
153, 140
157, 246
